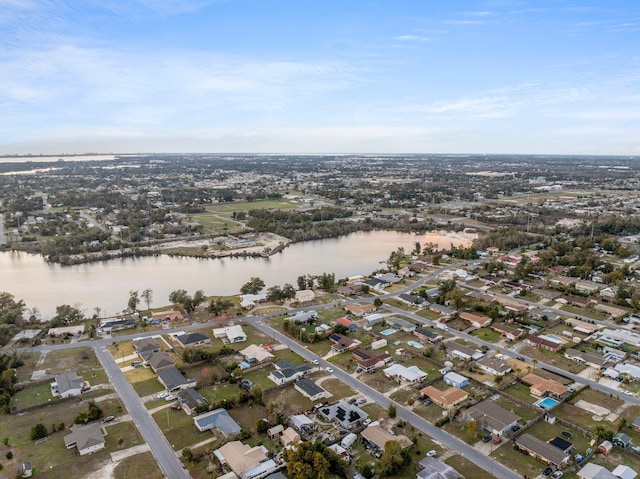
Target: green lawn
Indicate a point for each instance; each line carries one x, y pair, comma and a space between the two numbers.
518, 461
591, 313
337, 388
220, 392
33, 395
147, 387
122, 435
487, 334
467, 468
179, 428
545, 431
520, 391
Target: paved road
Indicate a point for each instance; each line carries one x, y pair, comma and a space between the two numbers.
92, 221
447, 440
151, 433
2, 239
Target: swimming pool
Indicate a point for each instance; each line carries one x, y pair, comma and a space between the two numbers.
388, 332
547, 403
555, 338
415, 345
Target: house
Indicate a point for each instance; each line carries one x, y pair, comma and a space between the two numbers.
475, 320
218, 419
507, 331
379, 343
445, 399
624, 472
191, 340
86, 438
245, 461
433, 468
174, 380
400, 324
605, 448
254, 354
341, 343
539, 342
369, 361
303, 317
190, 399
302, 423
289, 437
66, 330
230, 334
368, 321
376, 284
493, 365
347, 323
427, 335
67, 385
541, 387
413, 299
561, 444
287, 372
459, 351
418, 267
391, 278
275, 431
621, 440
492, 417
110, 326
611, 310
145, 347
582, 326
25, 469
161, 360
303, 295
590, 359
442, 310
456, 380
310, 389
376, 437
345, 414
594, 471
249, 301
168, 316
542, 451
636, 424
403, 374
630, 370
360, 310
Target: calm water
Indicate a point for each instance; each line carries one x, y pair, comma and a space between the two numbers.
107, 284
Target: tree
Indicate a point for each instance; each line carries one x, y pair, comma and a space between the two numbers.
219, 306
187, 453
377, 302
392, 459
472, 429
417, 248
253, 286
147, 295
313, 461
304, 282
327, 281
66, 315
198, 298
134, 301
39, 431
288, 291
392, 411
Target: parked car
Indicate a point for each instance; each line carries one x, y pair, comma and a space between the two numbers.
566, 434
557, 475
352, 401
515, 427
161, 395
487, 438
170, 397
432, 453
329, 369
316, 362
246, 383
497, 440
362, 401
136, 364
108, 419
547, 471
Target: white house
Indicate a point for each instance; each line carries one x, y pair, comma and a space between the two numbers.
230, 334
87, 438
456, 380
305, 295
67, 385
411, 374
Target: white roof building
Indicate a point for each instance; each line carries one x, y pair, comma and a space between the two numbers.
411, 374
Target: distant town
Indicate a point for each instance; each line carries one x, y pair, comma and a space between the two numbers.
514, 356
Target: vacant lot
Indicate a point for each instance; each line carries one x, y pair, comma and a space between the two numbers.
141, 465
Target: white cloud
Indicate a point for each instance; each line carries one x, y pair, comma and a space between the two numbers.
412, 38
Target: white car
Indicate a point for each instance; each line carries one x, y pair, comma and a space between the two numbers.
432, 453
316, 362
170, 397
162, 395
557, 475
329, 369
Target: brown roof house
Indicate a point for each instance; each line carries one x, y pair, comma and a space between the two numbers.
476, 320
376, 437
492, 417
245, 461
445, 399
541, 387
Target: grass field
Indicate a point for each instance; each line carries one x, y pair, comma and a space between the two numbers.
141, 465
467, 468
518, 461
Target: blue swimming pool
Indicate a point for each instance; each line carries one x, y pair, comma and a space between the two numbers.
388, 332
547, 403
415, 345
555, 338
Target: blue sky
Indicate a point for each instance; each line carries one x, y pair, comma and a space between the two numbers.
320, 76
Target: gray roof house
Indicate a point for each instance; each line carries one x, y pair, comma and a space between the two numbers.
345, 414
219, 419
286, 371
191, 340
174, 380
190, 399
67, 385
492, 417
539, 449
87, 438
310, 389
145, 347
161, 360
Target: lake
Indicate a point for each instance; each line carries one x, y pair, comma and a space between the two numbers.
107, 284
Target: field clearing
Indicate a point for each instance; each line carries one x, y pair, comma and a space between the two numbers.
227, 209
139, 466
467, 468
